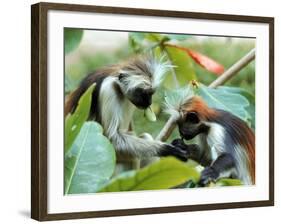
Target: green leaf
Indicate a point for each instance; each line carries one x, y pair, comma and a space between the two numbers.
68, 84
90, 162
156, 37
143, 42
228, 182
163, 174
183, 69
178, 37
72, 38
250, 97
74, 122
225, 100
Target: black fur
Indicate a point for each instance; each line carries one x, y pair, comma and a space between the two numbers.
170, 150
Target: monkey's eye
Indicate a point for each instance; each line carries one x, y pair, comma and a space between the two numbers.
192, 117
122, 75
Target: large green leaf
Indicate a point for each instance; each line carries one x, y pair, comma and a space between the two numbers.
90, 162
183, 69
250, 97
163, 174
72, 38
74, 122
225, 100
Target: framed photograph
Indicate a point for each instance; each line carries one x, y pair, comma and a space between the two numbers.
139, 111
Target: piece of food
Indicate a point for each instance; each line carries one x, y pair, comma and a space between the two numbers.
149, 114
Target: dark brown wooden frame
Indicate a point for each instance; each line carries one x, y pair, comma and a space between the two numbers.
39, 110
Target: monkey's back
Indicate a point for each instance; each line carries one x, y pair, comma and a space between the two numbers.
238, 135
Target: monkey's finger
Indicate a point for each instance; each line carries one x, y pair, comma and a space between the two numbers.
177, 141
183, 155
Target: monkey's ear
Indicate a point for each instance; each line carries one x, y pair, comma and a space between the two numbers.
192, 117
122, 75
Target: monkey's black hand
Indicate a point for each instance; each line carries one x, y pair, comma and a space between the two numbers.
208, 175
192, 150
179, 143
178, 152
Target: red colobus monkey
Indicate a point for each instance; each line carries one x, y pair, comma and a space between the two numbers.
227, 144
120, 89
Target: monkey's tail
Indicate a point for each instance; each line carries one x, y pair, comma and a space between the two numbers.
72, 100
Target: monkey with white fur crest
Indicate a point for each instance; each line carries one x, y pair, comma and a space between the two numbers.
227, 144
120, 89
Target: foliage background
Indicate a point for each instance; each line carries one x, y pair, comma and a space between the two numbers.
89, 156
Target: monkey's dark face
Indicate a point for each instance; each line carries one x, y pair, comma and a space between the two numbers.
138, 89
191, 125
141, 97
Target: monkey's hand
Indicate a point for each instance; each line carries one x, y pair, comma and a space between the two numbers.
179, 143
171, 150
193, 151
209, 174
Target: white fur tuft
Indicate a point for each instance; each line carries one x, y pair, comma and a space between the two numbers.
159, 69
175, 99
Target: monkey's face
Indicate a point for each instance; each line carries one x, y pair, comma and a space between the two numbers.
138, 89
141, 97
190, 125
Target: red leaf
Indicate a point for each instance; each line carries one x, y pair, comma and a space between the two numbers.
202, 60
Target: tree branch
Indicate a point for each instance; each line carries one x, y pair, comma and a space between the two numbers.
234, 69
167, 129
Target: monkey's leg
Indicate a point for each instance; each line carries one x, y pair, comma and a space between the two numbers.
225, 162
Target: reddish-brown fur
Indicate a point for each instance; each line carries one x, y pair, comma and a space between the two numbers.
196, 104
249, 146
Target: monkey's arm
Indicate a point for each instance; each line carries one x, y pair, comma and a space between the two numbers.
225, 162
143, 148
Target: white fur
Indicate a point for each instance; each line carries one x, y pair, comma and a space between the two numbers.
242, 160
175, 99
111, 110
132, 81
158, 69
215, 139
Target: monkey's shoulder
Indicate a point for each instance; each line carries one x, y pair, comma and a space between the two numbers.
235, 128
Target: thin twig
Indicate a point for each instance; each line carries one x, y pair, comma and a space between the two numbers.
228, 74
167, 129
234, 69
